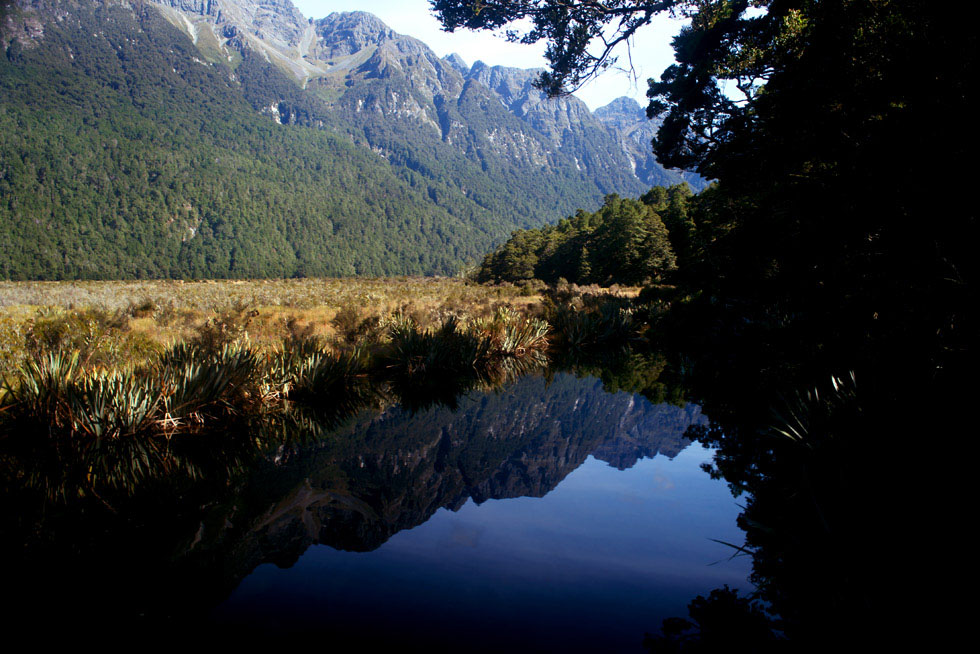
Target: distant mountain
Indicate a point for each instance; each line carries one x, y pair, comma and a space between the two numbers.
628, 120
236, 138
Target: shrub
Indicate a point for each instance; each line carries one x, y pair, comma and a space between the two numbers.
346, 322
228, 327
102, 338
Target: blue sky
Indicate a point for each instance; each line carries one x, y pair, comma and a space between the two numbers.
651, 52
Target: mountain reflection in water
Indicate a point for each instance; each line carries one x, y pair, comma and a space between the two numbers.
619, 541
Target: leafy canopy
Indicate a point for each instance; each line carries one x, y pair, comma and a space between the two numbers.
568, 28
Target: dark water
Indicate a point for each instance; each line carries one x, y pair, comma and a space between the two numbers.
550, 515
599, 560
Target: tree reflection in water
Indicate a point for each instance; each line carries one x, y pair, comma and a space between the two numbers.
825, 474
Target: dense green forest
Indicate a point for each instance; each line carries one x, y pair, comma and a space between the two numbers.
125, 155
624, 242
115, 163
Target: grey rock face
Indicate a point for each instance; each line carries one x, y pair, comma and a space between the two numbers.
457, 62
345, 33
202, 7
622, 113
515, 88
345, 49
277, 22
628, 120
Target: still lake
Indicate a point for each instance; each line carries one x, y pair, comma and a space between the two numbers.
548, 515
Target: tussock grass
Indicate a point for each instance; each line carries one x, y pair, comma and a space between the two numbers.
588, 319
184, 357
141, 318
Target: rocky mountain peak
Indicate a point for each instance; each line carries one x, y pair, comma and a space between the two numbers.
361, 46
458, 63
347, 32
557, 118
623, 113
513, 85
277, 22
623, 105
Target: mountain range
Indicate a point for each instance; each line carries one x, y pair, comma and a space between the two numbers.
237, 138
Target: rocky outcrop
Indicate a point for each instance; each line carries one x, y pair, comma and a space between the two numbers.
458, 63
623, 114
275, 21
342, 34
201, 7
554, 117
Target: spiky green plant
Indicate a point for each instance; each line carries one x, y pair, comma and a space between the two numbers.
39, 389
509, 333
54, 392
524, 335
817, 414
324, 373
447, 349
289, 360
329, 387
200, 384
113, 404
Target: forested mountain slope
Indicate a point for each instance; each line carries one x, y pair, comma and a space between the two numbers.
159, 140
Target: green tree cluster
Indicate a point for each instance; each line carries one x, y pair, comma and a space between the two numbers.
625, 242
